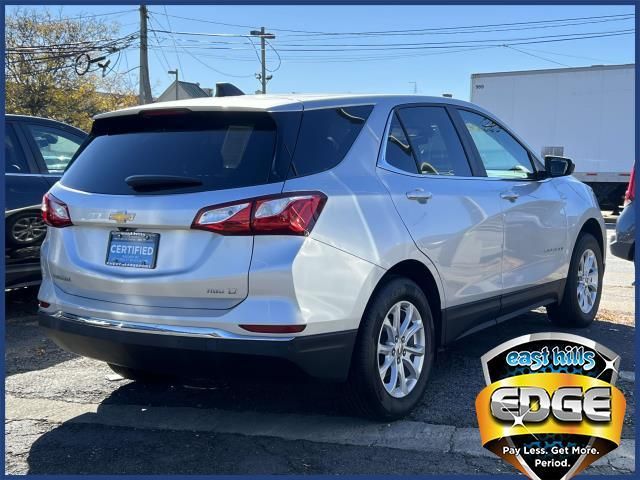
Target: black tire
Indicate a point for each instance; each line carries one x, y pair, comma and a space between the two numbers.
367, 395
29, 221
141, 376
568, 313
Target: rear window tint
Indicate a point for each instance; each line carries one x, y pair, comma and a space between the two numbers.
325, 137
221, 149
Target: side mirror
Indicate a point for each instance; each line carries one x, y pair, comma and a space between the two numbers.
558, 166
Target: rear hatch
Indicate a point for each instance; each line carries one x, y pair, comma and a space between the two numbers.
134, 191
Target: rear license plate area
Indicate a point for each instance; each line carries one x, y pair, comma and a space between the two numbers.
133, 249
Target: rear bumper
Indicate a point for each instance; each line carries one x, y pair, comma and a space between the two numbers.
623, 242
22, 275
622, 249
326, 355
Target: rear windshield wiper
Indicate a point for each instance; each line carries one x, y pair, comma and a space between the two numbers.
160, 182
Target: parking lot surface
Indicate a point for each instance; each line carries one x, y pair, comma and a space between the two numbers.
71, 415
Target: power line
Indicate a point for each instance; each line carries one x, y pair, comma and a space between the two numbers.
97, 44
166, 62
215, 69
457, 42
53, 52
82, 17
351, 47
357, 57
408, 45
205, 34
315, 38
212, 22
435, 45
277, 54
401, 56
255, 50
425, 30
568, 55
174, 40
129, 70
466, 27
537, 56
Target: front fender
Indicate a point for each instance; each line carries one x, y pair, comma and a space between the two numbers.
581, 207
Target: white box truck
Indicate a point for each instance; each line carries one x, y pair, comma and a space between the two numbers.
584, 113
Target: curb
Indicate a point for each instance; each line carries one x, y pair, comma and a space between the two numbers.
413, 436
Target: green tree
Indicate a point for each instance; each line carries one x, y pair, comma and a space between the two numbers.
40, 67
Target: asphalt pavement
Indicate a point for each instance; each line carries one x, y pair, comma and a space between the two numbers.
70, 415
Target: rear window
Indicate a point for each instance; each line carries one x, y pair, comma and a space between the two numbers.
221, 149
325, 137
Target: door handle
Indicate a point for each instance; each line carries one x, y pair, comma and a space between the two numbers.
511, 196
419, 195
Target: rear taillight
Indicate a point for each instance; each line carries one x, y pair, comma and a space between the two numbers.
228, 219
630, 194
286, 214
55, 213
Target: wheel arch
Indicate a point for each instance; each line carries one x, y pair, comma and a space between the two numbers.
593, 227
426, 280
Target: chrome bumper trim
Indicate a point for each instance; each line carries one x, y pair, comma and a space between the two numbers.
154, 328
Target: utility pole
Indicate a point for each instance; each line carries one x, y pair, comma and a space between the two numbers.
145, 84
263, 77
415, 87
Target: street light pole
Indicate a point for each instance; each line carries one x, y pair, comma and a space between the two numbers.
175, 72
263, 77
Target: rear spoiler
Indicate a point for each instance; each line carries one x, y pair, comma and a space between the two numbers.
227, 90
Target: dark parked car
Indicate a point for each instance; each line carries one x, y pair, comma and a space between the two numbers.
37, 151
623, 244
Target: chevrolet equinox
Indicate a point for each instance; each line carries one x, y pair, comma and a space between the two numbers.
348, 235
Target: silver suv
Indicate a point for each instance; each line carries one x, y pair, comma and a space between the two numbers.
349, 235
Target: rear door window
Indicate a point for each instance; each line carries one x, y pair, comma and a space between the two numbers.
434, 141
222, 150
56, 146
325, 137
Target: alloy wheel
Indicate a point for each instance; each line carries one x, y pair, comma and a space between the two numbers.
587, 280
28, 229
401, 349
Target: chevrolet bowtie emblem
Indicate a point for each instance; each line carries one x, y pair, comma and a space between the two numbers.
122, 217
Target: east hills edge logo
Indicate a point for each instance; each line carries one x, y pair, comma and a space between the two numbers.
550, 407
